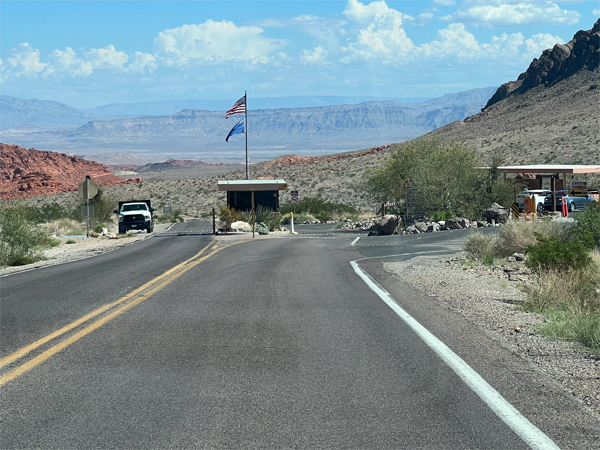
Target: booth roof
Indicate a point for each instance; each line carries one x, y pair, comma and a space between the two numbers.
252, 185
550, 168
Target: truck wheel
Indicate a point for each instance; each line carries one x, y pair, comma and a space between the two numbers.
150, 229
122, 229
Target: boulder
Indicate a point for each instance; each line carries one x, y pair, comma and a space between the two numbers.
434, 227
386, 225
241, 226
421, 226
497, 214
457, 223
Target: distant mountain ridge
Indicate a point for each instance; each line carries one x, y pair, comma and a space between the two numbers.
272, 132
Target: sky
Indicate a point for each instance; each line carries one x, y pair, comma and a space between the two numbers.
92, 53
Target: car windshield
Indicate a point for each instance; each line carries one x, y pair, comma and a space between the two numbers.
138, 207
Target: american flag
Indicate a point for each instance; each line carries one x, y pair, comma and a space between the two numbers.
237, 108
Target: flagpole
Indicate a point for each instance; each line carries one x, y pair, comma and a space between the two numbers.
246, 129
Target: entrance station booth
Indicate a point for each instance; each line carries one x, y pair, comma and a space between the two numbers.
244, 195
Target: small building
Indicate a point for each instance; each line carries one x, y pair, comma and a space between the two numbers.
548, 176
242, 195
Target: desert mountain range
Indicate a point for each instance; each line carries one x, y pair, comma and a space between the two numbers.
550, 114
195, 133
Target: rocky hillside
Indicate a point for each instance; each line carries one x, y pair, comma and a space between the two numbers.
31, 172
549, 115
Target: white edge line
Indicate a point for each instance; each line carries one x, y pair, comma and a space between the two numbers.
355, 241
532, 435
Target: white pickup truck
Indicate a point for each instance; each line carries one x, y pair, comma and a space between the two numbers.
538, 196
135, 215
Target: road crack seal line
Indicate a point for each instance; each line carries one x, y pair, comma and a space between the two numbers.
124, 303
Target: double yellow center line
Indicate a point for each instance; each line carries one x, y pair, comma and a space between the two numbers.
115, 309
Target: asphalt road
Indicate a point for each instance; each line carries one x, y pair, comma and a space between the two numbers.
265, 343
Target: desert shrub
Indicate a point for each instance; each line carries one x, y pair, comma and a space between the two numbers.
64, 227
70, 241
570, 303
98, 228
516, 235
20, 239
557, 253
263, 214
320, 209
51, 242
587, 228
298, 218
479, 246
262, 228
229, 215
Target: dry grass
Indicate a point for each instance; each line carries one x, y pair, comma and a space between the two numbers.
513, 237
570, 302
64, 227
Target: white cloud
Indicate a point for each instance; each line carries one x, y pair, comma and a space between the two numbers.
67, 61
142, 63
214, 42
316, 56
540, 42
423, 18
457, 43
380, 35
444, 2
25, 60
453, 41
596, 12
503, 13
107, 57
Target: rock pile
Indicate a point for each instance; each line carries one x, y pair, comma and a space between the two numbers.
389, 225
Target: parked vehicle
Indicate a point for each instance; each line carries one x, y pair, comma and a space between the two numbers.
573, 202
135, 215
538, 197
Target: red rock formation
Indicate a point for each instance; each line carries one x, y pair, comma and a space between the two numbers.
295, 160
27, 173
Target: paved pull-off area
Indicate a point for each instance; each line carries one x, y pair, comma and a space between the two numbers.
191, 340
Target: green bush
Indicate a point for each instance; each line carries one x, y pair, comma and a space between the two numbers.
20, 239
70, 241
263, 215
229, 215
438, 178
98, 228
556, 253
587, 228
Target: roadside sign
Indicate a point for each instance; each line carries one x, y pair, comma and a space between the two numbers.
294, 197
399, 202
87, 189
87, 211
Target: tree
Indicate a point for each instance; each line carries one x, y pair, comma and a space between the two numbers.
438, 178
